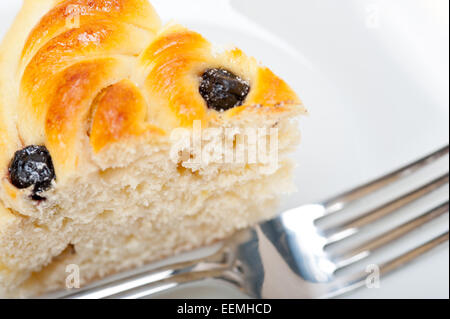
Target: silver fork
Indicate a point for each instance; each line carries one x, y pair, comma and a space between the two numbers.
287, 257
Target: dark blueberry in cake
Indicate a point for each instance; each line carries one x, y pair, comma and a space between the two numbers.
32, 166
223, 90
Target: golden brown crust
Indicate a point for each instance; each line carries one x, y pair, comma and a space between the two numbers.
65, 66
120, 113
67, 14
176, 60
113, 77
69, 109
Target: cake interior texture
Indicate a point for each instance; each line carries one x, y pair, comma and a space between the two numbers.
119, 218
136, 182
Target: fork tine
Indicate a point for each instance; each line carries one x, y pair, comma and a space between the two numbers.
366, 249
358, 281
340, 202
351, 227
413, 254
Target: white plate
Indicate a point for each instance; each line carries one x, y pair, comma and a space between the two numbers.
374, 75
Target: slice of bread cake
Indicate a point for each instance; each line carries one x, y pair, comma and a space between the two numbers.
123, 142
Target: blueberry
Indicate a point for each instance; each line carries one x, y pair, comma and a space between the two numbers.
32, 166
223, 90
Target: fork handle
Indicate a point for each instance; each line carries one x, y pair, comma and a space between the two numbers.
149, 282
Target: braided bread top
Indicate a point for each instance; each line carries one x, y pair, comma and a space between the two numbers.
105, 71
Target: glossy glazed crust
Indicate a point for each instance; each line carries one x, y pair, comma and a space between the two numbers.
105, 71
173, 65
